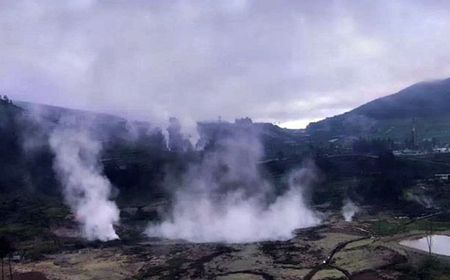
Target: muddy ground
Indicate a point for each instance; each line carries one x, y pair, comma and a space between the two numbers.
365, 249
337, 250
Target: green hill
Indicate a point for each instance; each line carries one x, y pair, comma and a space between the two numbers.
424, 104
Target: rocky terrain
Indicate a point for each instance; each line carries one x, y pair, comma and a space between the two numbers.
334, 250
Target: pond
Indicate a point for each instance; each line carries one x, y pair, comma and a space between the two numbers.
440, 244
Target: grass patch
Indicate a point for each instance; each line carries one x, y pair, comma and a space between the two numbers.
25, 217
391, 227
430, 268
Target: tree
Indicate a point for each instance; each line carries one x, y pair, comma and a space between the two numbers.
5, 99
6, 250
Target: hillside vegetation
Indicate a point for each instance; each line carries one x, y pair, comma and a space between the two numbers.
424, 104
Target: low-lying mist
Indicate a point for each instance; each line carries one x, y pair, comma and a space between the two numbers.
224, 198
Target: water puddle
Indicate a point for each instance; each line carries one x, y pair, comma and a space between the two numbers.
440, 244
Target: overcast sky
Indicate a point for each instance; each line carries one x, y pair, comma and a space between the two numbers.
287, 62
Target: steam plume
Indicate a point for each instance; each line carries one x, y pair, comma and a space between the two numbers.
86, 190
225, 199
349, 210
423, 200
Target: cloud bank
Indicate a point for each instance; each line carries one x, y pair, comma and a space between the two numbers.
284, 61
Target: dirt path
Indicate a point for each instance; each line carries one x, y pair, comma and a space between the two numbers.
264, 275
329, 259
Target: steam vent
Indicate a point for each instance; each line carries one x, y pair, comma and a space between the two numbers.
226, 139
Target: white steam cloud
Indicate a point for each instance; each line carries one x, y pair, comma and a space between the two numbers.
225, 199
423, 200
86, 190
349, 210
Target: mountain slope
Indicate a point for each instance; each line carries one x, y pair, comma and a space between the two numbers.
422, 100
424, 104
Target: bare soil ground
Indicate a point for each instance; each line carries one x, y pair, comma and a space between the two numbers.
333, 250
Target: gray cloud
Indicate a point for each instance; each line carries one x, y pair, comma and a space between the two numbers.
271, 60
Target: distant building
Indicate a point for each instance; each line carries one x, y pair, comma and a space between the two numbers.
243, 121
441, 150
443, 176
